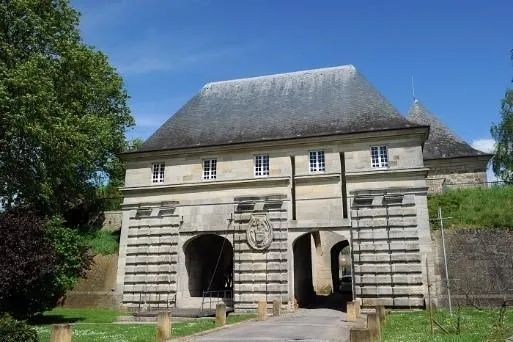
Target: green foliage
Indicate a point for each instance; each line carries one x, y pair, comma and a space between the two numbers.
72, 254
102, 242
503, 134
16, 331
64, 109
110, 196
39, 263
27, 264
474, 207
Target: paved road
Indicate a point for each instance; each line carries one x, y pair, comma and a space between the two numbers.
303, 325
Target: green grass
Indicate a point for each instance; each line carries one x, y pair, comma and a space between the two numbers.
474, 207
475, 326
83, 315
96, 325
102, 242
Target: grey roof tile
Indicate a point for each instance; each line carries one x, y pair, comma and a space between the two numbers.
442, 142
307, 103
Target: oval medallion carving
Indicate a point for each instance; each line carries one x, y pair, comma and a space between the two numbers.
260, 232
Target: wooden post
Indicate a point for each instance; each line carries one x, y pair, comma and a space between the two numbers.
220, 315
61, 333
276, 307
359, 335
380, 311
262, 310
374, 326
351, 311
163, 327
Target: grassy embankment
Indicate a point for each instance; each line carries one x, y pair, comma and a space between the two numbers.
474, 207
474, 326
92, 325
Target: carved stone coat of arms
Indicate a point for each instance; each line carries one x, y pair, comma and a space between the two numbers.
260, 232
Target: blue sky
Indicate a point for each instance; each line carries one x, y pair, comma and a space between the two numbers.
457, 51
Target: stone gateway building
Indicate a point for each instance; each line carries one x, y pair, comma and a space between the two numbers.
255, 186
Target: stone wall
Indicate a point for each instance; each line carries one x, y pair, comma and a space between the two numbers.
111, 220
148, 256
98, 286
462, 171
480, 265
387, 250
260, 274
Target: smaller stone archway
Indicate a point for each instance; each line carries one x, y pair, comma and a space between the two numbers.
209, 265
341, 267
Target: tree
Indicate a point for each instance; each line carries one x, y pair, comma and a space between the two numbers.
63, 108
40, 262
503, 134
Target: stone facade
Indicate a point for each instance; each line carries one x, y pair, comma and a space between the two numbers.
454, 172
380, 213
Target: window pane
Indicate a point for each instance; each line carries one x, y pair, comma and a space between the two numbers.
158, 173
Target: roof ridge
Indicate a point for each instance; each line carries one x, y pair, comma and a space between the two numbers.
349, 67
424, 111
440, 136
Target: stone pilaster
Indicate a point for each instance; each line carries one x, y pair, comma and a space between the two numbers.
260, 275
386, 249
151, 259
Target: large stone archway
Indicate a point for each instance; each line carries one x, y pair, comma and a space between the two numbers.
209, 266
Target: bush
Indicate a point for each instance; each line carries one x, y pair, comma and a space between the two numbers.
16, 331
38, 263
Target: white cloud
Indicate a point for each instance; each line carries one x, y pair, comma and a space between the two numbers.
484, 145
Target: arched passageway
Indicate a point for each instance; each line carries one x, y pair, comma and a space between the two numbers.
341, 267
303, 280
308, 254
209, 264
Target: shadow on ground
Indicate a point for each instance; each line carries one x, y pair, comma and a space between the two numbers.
53, 319
334, 301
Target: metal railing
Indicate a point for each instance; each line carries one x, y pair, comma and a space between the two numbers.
216, 297
148, 301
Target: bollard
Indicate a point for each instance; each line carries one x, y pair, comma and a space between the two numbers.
358, 307
163, 327
220, 315
359, 335
61, 333
380, 311
351, 311
374, 326
276, 307
262, 310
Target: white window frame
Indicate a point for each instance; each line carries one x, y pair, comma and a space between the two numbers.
209, 169
316, 161
158, 171
379, 157
261, 165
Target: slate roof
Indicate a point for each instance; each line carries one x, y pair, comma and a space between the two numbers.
442, 142
307, 103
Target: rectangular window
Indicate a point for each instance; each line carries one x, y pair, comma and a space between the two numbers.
379, 157
262, 165
317, 161
209, 168
158, 173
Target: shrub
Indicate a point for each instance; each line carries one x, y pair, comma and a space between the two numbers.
16, 331
38, 263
